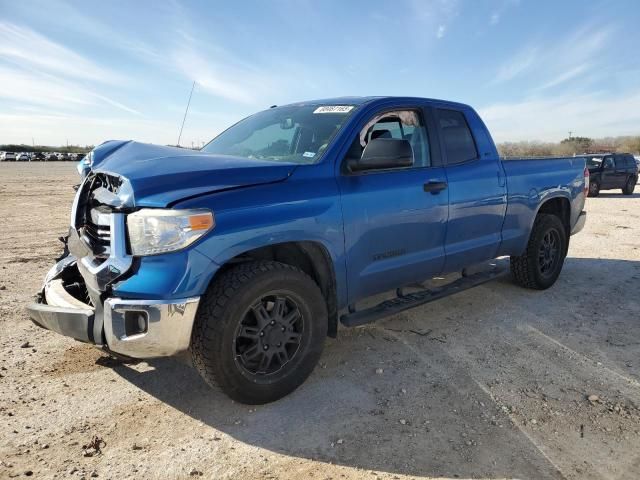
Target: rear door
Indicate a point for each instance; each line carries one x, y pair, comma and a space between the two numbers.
394, 219
622, 170
477, 189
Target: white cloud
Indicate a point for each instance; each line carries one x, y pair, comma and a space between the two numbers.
220, 79
565, 77
25, 47
550, 119
37, 71
517, 65
221, 74
435, 15
49, 91
496, 15
555, 61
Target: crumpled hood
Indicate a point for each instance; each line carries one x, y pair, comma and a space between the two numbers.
160, 176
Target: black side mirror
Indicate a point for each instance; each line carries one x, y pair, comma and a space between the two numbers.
384, 153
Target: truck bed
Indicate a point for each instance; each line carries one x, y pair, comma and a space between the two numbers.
529, 182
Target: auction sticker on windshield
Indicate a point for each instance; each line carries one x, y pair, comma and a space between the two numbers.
334, 109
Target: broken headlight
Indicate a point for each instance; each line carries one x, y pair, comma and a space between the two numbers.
84, 165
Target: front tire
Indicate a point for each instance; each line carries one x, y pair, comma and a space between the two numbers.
594, 189
259, 331
542, 262
629, 186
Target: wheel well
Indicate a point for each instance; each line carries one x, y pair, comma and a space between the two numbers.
561, 208
310, 257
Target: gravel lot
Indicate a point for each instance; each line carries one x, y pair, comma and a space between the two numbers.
491, 383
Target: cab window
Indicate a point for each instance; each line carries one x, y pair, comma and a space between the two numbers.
457, 138
401, 125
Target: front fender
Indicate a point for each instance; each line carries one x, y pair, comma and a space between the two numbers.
182, 274
302, 209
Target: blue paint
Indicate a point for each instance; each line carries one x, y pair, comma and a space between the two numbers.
380, 228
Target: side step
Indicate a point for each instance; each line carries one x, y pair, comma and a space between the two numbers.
415, 299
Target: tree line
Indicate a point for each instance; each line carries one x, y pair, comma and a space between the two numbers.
571, 146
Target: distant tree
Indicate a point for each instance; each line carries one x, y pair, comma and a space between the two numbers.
573, 145
629, 145
525, 149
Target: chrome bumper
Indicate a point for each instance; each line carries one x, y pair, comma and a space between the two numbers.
133, 328
582, 219
163, 328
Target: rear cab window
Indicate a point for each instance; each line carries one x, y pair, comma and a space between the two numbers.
458, 142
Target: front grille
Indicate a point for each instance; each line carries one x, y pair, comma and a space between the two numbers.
99, 236
93, 219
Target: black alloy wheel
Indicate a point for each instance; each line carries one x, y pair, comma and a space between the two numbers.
549, 253
259, 331
541, 263
269, 335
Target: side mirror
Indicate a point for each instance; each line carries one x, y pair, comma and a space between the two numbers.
384, 153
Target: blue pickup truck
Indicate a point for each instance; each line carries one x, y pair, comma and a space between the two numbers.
246, 254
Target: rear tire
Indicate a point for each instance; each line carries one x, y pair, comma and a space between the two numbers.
594, 189
630, 186
259, 331
542, 261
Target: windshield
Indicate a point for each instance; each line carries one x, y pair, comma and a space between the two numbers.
594, 161
296, 134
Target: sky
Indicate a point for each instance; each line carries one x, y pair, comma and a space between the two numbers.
82, 72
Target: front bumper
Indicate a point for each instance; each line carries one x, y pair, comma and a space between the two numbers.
582, 219
133, 328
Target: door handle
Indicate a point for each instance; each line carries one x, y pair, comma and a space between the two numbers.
434, 187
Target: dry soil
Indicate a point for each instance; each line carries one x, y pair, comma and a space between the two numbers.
491, 383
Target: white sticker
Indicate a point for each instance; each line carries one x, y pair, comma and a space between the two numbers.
334, 109
309, 154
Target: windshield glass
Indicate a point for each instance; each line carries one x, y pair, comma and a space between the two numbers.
296, 134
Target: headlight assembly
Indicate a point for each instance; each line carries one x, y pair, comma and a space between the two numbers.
155, 231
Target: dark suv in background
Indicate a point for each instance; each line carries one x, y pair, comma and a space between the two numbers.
609, 171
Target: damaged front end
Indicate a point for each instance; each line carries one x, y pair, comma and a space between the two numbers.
77, 299
63, 304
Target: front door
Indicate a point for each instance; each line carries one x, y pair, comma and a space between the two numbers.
394, 225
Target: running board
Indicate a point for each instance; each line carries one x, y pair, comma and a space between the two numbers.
411, 300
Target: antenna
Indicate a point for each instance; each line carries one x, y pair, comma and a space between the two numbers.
185, 112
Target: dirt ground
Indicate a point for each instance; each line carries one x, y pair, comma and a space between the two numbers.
491, 383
